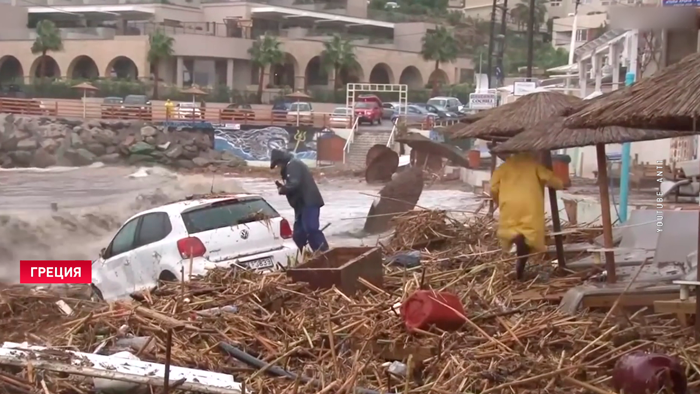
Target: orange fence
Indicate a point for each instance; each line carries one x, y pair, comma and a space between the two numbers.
89, 110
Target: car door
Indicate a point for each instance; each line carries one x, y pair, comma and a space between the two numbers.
153, 253
113, 275
454, 105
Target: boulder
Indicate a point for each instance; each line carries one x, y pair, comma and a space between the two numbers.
79, 157
174, 152
49, 145
104, 136
75, 140
110, 158
150, 140
201, 161
93, 123
138, 158
28, 144
42, 159
185, 163
96, 148
141, 148
236, 162
148, 131
21, 158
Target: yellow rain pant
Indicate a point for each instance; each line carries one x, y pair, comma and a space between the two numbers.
517, 186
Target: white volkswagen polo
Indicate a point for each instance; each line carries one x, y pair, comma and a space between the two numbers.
189, 237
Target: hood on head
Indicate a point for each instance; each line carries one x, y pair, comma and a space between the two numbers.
279, 157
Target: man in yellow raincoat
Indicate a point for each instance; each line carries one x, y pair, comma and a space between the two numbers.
517, 187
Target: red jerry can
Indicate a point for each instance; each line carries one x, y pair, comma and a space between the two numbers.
642, 373
425, 308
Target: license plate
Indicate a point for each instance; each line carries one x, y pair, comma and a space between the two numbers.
260, 264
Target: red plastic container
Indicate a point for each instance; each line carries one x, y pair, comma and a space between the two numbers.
474, 157
642, 373
425, 308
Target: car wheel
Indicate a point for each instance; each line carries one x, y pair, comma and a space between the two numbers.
167, 276
96, 293
379, 121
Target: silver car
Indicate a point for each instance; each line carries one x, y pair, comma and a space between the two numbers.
389, 109
413, 114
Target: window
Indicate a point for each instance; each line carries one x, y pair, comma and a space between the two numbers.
227, 213
388, 106
413, 110
554, 4
154, 227
454, 103
581, 35
124, 240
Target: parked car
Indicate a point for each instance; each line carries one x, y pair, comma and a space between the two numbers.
389, 109
451, 103
238, 112
341, 117
369, 112
300, 112
188, 110
413, 114
136, 106
199, 234
279, 110
12, 91
111, 107
369, 98
440, 111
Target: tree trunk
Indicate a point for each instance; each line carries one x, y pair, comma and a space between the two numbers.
434, 92
42, 72
155, 82
261, 80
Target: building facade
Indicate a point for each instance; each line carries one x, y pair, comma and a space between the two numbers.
109, 38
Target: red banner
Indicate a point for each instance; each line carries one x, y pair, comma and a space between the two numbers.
55, 271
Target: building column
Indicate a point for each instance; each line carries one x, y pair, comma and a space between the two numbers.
597, 74
229, 73
179, 71
582, 78
300, 82
614, 59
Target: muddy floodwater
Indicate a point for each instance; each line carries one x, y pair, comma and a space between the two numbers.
71, 213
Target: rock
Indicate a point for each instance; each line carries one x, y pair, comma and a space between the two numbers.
236, 162
137, 158
164, 146
174, 152
28, 144
105, 137
141, 148
52, 131
6, 162
203, 142
201, 161
49, 145
75, 140
189, 154
128, 141
21, 158
111, 149
191, 148
79, 157
185, 163
93, 123
110, 158
96, 148
148, 131
150, 140
42, 159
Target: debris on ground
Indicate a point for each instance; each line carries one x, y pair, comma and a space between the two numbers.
276, 336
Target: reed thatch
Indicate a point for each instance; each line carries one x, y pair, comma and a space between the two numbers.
464, 121
551, 134
398, 196
382, 163
421, 143
668, 100
510, 119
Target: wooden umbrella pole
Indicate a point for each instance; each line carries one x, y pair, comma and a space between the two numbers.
605, 212
493, 169
697, 288
556, 222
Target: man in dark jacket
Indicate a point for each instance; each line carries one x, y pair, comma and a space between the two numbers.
303, 195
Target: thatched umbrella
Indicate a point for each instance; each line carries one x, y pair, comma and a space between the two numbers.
85, 87
429, 147
194, 91
398, 196
381, 162
668, 100
464, 121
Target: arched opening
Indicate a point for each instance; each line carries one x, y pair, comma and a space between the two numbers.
381, 73
283, 74
83, 67
10, 70
355, 75
315, 75
438, 76
412, 77
45, 66
122, 67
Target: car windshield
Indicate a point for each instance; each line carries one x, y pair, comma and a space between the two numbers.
364, 105
280, 105
112, 100
418, 109
227, 213
189, 105
135, 100
341, 111
438, 102
440, 108
300, 107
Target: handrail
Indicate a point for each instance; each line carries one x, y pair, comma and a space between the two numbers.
351, 138
391, 136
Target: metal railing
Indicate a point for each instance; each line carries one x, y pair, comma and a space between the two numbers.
351, 139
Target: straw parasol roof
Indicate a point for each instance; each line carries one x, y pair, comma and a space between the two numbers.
464, 121
668, 100
298, 95
424, 144
84, 86
551, 134
195, 91
510, 119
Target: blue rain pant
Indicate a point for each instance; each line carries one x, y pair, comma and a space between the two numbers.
307, 229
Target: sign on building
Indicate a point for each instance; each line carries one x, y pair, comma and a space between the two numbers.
482, 100
524, 87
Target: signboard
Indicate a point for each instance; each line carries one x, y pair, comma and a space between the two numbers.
672, 16
523, 88
689, 3
482, 100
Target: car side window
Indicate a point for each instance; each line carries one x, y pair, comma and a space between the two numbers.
413, 110
454, 103
387, 106
124, 240
154, 227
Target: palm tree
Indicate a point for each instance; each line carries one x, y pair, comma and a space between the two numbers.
521, 13
339, 56
160, 49
439, 46
48, 38
264, 53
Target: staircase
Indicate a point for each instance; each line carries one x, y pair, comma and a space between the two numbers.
362, 142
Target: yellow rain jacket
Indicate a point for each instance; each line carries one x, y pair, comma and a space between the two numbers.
517, 186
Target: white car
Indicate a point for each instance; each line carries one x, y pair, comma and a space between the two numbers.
341, 117
188, 111
301, 112
239, 230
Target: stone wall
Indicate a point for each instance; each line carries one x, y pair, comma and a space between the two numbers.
43, 142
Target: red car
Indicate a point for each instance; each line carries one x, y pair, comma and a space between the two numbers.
368, 112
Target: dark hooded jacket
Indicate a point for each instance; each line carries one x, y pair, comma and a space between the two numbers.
299, 185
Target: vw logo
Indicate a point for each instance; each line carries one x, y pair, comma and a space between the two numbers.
244, 234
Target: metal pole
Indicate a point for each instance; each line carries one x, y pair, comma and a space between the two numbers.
502, 49
489, 60
530, 38
572, 46
626, 147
